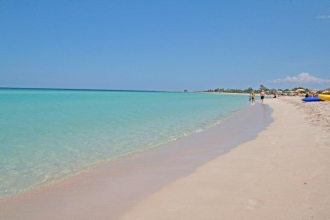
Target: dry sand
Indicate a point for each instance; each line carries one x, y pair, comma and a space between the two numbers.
283, 174
110, 190
317, 114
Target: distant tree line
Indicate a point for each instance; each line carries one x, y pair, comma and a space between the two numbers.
248, 90
262, 87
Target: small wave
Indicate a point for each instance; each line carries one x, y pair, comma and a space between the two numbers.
122, 123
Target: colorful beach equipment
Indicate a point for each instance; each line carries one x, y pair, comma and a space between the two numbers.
300, 90
324, 97
312, 99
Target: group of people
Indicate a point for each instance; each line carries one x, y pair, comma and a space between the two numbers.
312, 94
253, 95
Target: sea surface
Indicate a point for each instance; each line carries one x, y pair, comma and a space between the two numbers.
48, 135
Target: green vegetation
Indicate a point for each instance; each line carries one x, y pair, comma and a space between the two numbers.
248, 90
262, 87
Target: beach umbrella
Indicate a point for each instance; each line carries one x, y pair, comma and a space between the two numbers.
325, 91
300, 90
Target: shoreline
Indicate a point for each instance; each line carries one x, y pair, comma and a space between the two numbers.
46, 154
279, 169
282, 174
110, 184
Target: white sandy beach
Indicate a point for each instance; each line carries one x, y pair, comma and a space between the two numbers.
283, 174
165, 110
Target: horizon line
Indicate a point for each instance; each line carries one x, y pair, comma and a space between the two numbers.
122, 90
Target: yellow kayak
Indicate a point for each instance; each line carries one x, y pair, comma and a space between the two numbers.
324, 97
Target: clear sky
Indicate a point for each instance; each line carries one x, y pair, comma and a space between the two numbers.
165, 45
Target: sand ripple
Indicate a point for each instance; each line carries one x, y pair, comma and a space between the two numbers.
318, 113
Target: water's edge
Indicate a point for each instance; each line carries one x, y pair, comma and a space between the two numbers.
131, 178
50, 135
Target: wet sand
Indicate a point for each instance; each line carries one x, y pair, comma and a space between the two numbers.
282, 174
110, 190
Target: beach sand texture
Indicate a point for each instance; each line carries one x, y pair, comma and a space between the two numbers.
283, 174
317, 113
111, 189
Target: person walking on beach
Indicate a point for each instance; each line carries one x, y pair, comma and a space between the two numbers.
253, 96
262, 96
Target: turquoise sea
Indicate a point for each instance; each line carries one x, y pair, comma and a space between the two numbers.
47, 135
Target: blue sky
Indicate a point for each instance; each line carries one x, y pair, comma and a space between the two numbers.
165, 45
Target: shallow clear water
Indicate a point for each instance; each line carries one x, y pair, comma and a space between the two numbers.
47, 135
